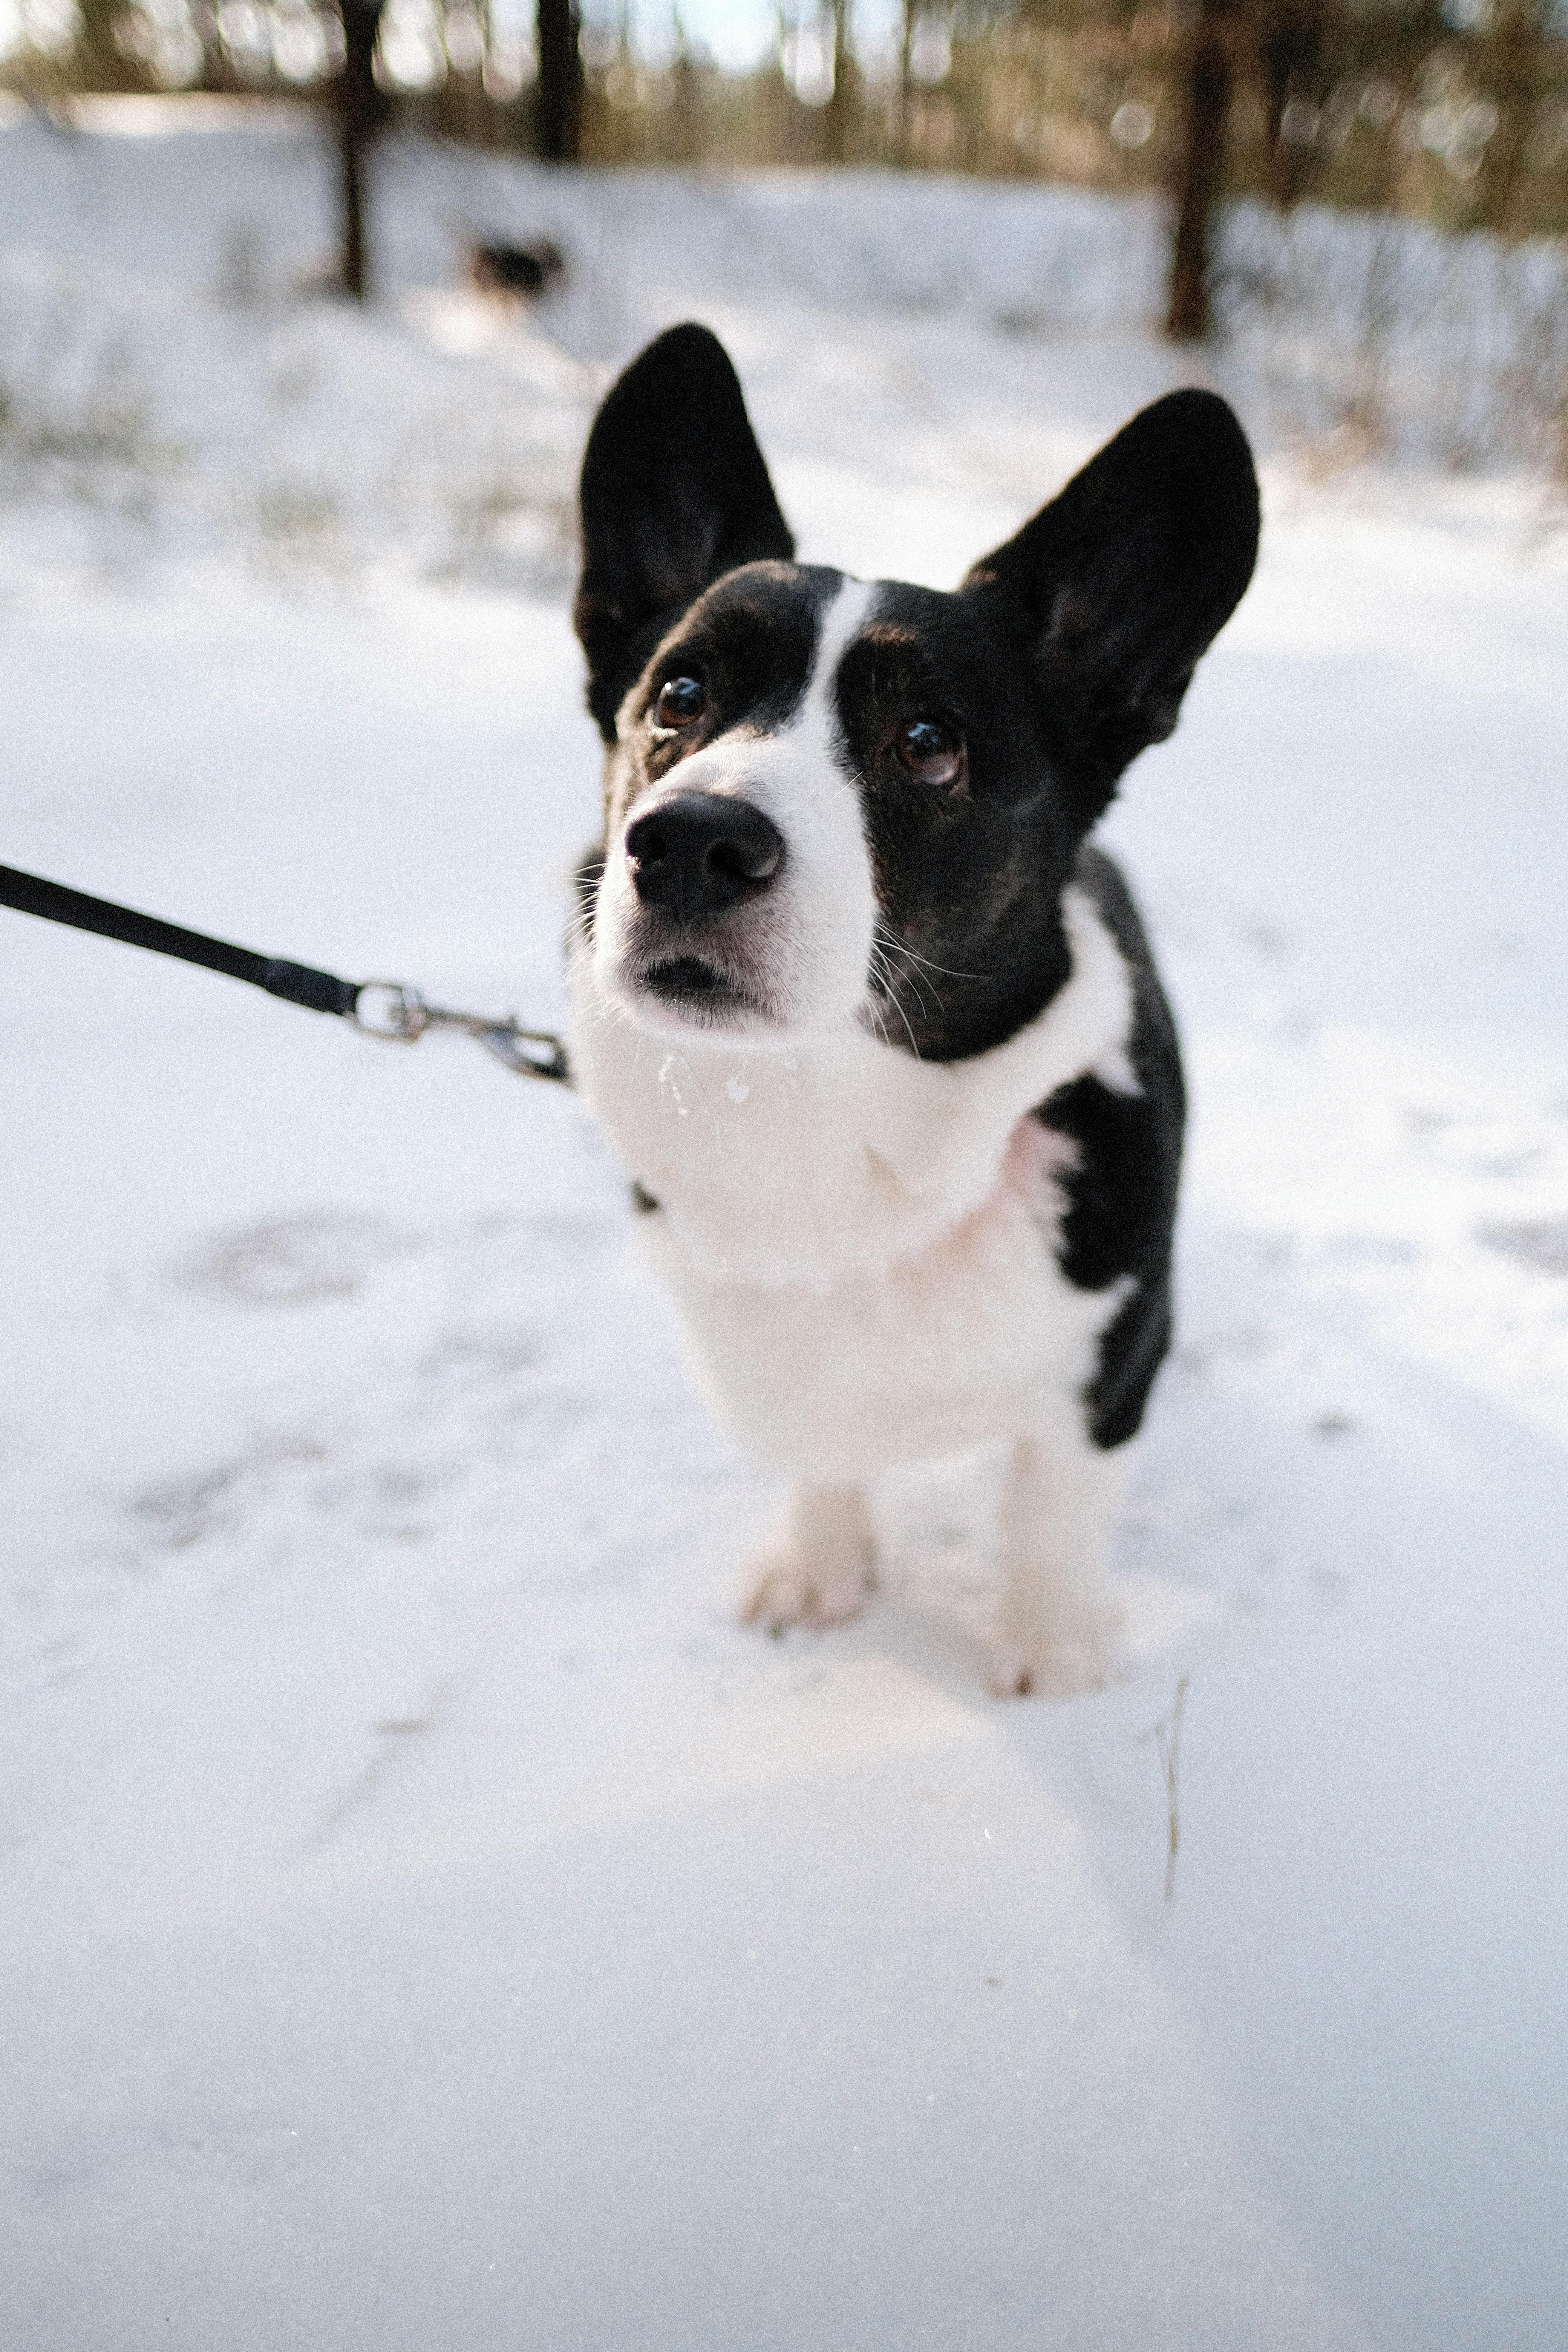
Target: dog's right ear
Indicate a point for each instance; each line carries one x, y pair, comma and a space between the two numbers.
675, 493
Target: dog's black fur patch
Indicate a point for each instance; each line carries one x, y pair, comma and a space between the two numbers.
969, 880
1121, 1196
1063, 655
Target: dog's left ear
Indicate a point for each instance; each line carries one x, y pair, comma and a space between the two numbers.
1116, 589
675, 493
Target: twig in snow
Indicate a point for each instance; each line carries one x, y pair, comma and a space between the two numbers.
1166, 1735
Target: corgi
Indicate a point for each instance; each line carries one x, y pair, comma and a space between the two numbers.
872, 1025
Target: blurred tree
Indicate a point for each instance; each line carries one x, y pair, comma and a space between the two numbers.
1210, 78
560, 81
101, 61
687, 143
906, 83
362, 113
835, 124
1513, 33
1290, 35
1451, 110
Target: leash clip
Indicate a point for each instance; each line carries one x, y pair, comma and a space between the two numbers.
396, 1012
533, 1053
400, 1015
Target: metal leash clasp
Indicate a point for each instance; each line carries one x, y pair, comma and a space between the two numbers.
394, 1012
402, 1015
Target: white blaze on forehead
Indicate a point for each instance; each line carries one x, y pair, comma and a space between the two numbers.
808, 751
842, 620
824, 904
808, 936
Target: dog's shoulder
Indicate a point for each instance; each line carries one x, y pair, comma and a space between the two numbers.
1124, 1118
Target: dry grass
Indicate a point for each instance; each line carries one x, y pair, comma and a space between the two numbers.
83, 426
1166, 1735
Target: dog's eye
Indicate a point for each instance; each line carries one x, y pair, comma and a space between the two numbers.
680, 701
929, 752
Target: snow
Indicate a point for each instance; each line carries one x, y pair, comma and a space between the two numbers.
427, 1919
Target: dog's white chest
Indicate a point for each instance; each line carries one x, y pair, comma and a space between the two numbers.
951, 1345
861, 1243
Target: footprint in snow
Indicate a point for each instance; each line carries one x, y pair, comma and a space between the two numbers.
293, 1261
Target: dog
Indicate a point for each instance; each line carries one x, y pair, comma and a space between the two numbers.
873, 1029
516, 271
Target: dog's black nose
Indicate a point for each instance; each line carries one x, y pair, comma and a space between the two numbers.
699, 854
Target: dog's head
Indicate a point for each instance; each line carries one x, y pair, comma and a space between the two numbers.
832, 802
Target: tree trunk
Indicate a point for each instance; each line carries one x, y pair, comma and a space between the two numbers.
1210, 81
559, 82
1290, 50
1510, 61
359, 118
836, 126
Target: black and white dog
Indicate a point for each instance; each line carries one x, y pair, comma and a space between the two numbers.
876, 1034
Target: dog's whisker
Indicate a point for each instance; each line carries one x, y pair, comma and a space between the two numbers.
945, 970
886, 978
889, 945
890, 991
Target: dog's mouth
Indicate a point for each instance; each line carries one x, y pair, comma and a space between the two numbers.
696, 991
683, 977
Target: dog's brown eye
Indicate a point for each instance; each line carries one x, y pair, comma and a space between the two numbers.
930, 753
681, 700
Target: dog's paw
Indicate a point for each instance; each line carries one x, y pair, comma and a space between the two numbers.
779, 1588
1080, 1658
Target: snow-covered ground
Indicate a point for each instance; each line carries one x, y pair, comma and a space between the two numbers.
428, 1920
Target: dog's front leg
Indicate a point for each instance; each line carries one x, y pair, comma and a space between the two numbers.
1059, 1630
819, 1566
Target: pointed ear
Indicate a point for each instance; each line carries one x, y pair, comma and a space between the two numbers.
674, 493
1115, 590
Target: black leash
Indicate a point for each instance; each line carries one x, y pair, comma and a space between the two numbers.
380, 1008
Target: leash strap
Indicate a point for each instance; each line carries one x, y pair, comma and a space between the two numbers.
29, 893
391, 1010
